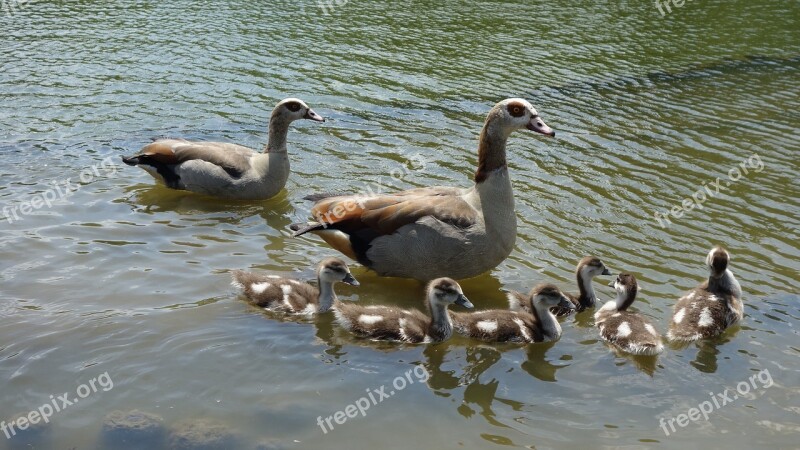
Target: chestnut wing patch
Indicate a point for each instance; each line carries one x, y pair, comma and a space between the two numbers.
386, 214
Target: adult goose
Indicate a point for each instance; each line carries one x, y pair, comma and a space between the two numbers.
588, 268
280, 294
434, 232
412, 326
226, 170
628, 331
710, 308
500, 325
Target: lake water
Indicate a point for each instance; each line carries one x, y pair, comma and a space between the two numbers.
126, 278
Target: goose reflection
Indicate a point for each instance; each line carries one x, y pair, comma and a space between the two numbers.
153, 199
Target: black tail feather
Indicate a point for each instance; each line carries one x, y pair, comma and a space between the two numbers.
303, 228
131, 160
324, 195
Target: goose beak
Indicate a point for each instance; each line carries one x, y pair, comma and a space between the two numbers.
537, 124
311, 115
464, 301
565, 303
606, 272
349, 279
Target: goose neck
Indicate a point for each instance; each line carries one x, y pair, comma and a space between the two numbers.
327, 297
491, 151
278, 130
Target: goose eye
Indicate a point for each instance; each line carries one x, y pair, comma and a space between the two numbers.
516, 110
293, 106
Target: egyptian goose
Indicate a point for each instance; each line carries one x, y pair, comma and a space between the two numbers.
432, 232
500, 325
395, 324
226, 170
710, 308
588, 268
275, 293
628, 331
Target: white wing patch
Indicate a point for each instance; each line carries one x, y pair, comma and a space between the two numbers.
402, 330
287, 291
487, 326
679, 315
523, 329
369, 319
651, 329
258, 288
624, 330
705, 318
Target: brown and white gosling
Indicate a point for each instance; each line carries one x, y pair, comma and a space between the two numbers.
499, 325
279, 294
390, 323
710, 308
628, 331
588, 268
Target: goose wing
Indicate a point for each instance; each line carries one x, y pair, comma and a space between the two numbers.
385, 214
234, 159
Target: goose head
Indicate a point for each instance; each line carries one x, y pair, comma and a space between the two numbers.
515, 114
546, 296
626, 287
717, 261
291, 109
334, 270
445, 292
591, 266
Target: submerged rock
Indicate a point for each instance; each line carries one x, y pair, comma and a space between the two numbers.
203, 434
132, 430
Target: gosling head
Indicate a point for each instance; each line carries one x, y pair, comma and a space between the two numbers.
592, 266
292, 109
334, 270
717, 261
516, 114
446, 291
545, 296
626, 287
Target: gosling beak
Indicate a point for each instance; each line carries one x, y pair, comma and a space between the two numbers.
537, 124
349, 279
565, 303
311, 115
612, 283
464, 301
606, 272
